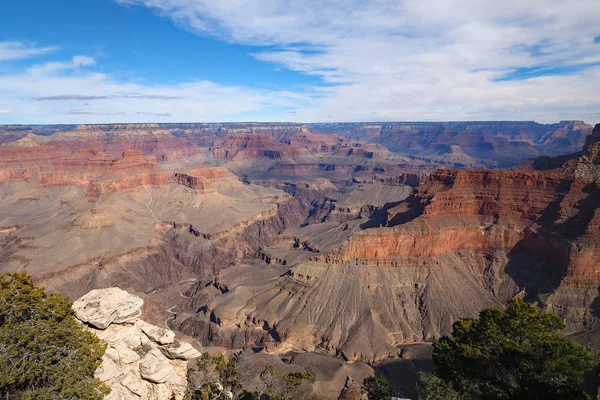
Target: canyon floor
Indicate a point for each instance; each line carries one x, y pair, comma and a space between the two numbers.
342, 249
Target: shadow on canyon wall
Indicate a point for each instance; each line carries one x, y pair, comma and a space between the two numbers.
577, 225
403, 372
538, 263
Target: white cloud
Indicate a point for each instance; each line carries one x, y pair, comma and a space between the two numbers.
4, 111
380, 60
70, 92
50, 68
15, 50
417, 59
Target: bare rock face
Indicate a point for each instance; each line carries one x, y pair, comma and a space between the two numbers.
248, 146
592, 146
352, 391
155, 368
464, 240
357, 289
180, 350
159, 335
142, 361
103, 307
593, 138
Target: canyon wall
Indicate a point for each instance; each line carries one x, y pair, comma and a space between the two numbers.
331, 252
459, 144
463, 240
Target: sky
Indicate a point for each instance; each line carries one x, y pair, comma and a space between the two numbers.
110, 61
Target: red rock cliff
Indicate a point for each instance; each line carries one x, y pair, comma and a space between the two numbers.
552, 215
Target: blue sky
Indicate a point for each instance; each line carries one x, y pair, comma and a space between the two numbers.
96, 61
137, 44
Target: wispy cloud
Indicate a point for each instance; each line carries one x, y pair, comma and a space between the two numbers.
423, 59
36, 95
65, 97
77, 62
78, 97
82, 112
544, 70
150, 96
377, 60
154, 114
15, 50
120, 113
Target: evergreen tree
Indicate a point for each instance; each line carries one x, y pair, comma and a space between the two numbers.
44, 351
431, 387
377, 388
512, 354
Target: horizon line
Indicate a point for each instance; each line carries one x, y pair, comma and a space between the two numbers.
295, 123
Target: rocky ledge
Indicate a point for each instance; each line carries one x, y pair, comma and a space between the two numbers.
142, 361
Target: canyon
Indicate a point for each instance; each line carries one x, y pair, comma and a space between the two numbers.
491, 144
334, 243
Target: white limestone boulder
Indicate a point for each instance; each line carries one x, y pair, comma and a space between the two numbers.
121, 393
108, 370
126, 355
155, 367
180, 350
102, 307
135, 384
156, 334
141, 361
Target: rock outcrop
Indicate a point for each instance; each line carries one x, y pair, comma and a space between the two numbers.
593, 138
352, 391
251, 145
98, 171
142, 361
102, 307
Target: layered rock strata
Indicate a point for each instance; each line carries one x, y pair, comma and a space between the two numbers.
462, 241
453, 144
358, 282
250, 146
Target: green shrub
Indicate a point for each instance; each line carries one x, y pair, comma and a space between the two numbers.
377, 388
213, 371
432, 387
44, 352
517, 353
294, 379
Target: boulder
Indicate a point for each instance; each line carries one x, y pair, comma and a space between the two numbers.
126, 355
131, 336
156, 334
101, 307
135, 364
181, 350
155, 367
108, 370
352, 391
120, 393
112, 354
135, 384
